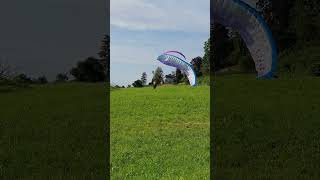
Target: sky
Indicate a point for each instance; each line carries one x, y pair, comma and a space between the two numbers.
143, 29
47, 37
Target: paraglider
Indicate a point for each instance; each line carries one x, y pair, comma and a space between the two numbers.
243, 17
178, 60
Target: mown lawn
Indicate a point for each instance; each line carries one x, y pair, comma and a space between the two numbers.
267, 129
53, 132
160, 133
263, 130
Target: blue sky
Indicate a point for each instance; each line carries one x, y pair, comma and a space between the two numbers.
143, 29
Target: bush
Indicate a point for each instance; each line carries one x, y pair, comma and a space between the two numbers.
62, 77
42, 80
203, 80
315, 69
138, 83
22, 78
89, 70
301, 60
185, 79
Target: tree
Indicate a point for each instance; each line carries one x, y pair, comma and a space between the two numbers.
185, 79
5, 70
246, 64
315, 69
206, 60
265, 8
240, 55
23, 78
138, 83
42, 80
89, 70
221, 43
144, 78
157, 77
304, 21
170, 79
104, 55
277, 15
61, 77
197, 63
179, 76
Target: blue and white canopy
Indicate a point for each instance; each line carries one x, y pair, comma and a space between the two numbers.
178, 60
242, 16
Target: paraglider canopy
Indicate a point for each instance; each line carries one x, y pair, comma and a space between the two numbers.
243, 17
178, 60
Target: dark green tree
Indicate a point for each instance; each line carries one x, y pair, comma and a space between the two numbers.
23, 78
104, 55
179, 76
197, 63
5, 70
304, 21
89, 70
42, 80
144, 78
205, 66
158, 77
185, 79
138, 83
61, 77
221, 40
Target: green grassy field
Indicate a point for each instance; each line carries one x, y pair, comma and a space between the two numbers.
53, 132
160, 133
264, 130
267, 129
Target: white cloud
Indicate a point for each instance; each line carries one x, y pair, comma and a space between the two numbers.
168, 15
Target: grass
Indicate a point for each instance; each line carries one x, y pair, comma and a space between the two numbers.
53, 132
267, 129
160, 133
264, 130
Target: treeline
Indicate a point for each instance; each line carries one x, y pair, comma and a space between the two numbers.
296, 29
94, 69
8, 77
176, 77
91, 69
